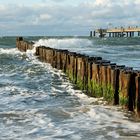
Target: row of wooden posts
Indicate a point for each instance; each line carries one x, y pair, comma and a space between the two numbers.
119, 85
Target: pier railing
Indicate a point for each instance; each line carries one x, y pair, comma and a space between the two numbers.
119, 85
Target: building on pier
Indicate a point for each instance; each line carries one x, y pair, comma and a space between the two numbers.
116, 32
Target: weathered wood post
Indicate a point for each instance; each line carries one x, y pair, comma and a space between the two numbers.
96, 90
18, 42
47, 54
71, 66
58, 59
54, 63
114, 87
137, 79
127, 91
64, 60
44, 54
89, 76
80, 71
40, 53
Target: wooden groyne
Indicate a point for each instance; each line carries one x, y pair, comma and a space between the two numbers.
23, 45
119, 85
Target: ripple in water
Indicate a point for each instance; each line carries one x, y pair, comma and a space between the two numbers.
38, 102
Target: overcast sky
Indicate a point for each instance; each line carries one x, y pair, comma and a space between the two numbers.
65, 17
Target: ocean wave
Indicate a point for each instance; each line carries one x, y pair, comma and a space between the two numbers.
66, 43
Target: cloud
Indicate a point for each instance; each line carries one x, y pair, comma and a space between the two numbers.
45, 17
64, 17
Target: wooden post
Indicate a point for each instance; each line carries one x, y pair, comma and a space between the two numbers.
127, 89
138, 95
96, 89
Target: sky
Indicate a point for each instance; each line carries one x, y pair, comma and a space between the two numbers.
65, 17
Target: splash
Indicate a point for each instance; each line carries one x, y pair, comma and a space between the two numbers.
64, 43
12, 51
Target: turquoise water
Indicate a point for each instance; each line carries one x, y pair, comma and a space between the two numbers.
39, 102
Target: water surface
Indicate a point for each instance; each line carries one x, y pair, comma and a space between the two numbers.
39, 102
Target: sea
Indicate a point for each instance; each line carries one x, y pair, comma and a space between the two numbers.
38, 102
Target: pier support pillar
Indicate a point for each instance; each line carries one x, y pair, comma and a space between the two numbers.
130, 34
126, 34
90, 33
94, 33
113, 34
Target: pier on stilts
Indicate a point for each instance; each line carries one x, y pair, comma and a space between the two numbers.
116, 32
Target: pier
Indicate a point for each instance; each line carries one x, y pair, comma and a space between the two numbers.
118, 84
116, 32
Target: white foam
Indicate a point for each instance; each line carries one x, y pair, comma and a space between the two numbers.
12, 51
34, 130
86, 111
65, 43
31, 54
101, 137
50, 125
114, 134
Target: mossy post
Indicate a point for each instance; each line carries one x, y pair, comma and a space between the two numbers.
137, 79
84, 72
89, 76
127, 89
80, 71
71, 66
114, 86
67, 64
124, 88
103, 79
132, 91
75, 70
96, 89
